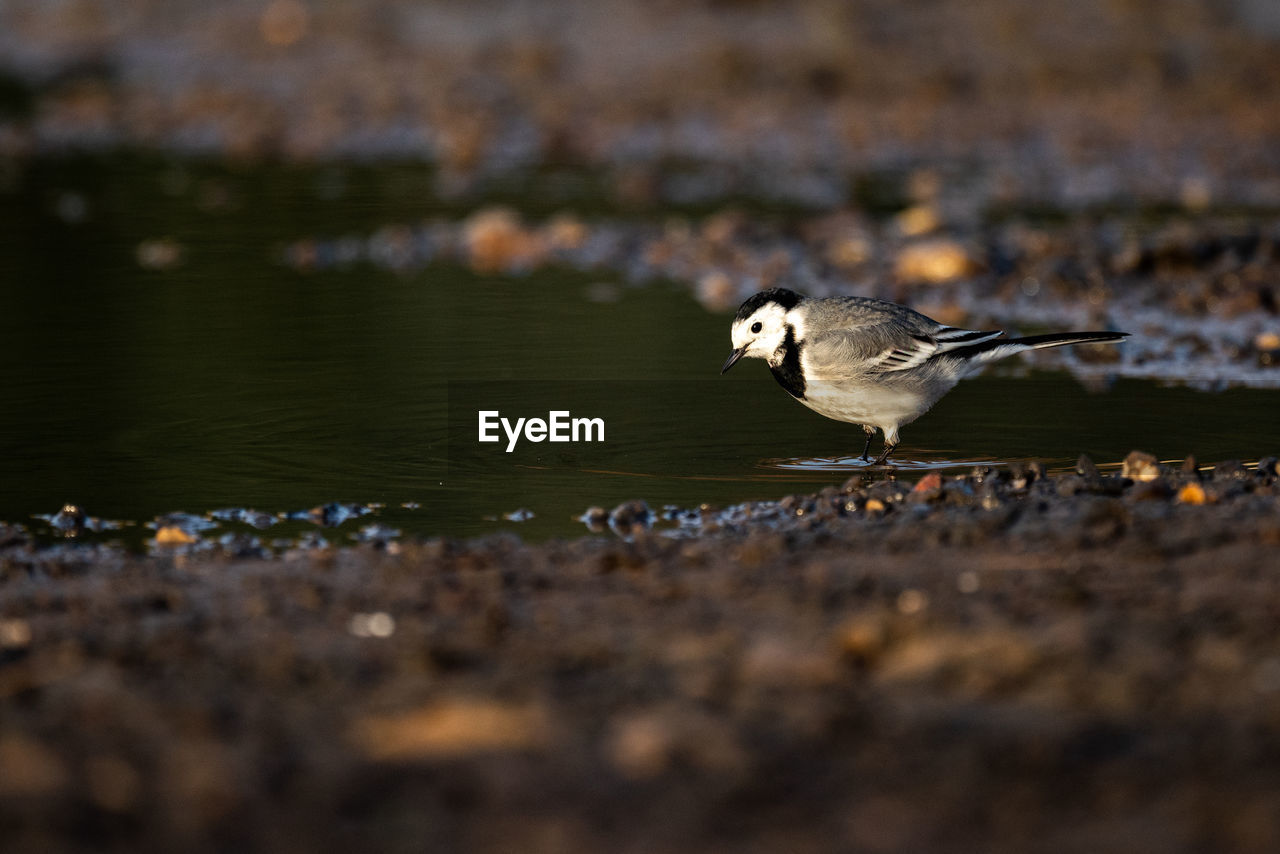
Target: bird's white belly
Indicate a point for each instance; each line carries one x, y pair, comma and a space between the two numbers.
874, 404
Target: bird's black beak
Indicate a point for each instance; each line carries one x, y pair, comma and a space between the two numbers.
733, 358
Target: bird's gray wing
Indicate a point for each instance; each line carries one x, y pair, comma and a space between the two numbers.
884, 347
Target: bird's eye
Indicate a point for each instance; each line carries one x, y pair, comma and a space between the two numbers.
757, 326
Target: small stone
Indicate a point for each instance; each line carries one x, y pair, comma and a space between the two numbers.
912, 601
932, 482
1191, 468
172, 535
14, 634
1231, 470
917, 220
161, 254
497, 241
933, 262
1192, 493
863, 638
875, 505
1022, 475
1085, 468
70, 519
1267, 346
333, 514
631, 514
565, 232
1140, 466
452, 728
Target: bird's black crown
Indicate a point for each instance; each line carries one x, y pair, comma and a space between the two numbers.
783, 297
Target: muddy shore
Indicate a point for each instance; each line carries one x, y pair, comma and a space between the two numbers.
1002, 661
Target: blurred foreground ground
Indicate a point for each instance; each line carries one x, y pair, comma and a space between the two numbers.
999, 662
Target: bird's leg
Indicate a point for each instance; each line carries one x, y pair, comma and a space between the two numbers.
884, 455
866, 449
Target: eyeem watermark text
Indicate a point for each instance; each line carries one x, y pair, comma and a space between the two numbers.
557, 427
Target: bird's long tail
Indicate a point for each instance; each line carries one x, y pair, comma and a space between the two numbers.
999, 348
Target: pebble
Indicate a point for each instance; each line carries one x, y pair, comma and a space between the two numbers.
333, 514
1140, 466
70, 519
630, 516
1192, 493
172, 535
933, 262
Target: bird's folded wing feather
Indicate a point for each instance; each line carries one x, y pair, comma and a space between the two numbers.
883, 348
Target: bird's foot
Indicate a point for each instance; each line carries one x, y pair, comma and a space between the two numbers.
884, 455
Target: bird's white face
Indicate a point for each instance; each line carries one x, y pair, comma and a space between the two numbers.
761, 333
758, 336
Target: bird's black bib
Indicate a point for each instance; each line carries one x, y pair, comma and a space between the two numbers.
788, 373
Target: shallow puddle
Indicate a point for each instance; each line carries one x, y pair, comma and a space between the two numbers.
156, 357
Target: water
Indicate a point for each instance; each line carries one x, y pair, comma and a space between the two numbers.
226, 379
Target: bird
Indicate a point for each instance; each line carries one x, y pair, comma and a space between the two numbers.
868, 361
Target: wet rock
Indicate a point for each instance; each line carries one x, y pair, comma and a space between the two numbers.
70, 520
565, 232
1231, 470
452, 729
173, 535
929, 488
496, 241
630, 516
1140, 466
889, 491
1023, 475
333, 514
253, 518
159, 254
1190, 468
1192, 493
917, 220
1086, 468
796, 505
1267, 347
376, 534
933, 261
242, 546
595, 518
983, 474
862, 639
188, 523
958, 493
875, 507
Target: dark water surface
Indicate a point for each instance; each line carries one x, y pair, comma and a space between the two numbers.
227, 379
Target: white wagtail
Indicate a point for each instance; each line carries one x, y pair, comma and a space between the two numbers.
867, 361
